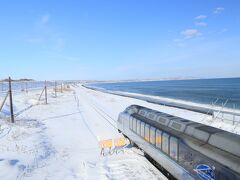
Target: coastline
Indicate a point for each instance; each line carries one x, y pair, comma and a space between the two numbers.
171, 102
152, 80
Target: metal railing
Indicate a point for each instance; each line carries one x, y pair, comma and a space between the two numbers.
11, 88
230, 116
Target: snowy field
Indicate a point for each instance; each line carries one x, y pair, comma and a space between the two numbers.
60, 140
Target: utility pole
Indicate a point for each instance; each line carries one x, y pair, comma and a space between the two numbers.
45, 92
10, 98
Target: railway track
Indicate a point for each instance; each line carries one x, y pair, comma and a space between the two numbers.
83, 118
101, 112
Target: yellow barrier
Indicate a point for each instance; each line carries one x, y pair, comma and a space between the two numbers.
119, 142
109, 143
106, 143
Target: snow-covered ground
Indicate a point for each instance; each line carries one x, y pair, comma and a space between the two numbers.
60, 140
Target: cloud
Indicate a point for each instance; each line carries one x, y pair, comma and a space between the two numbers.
218, 10
190, 33
200, 24
201, 17
45, 19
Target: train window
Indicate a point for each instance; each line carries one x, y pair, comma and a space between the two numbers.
142, 112
174, 148
130, 122
142, 129
159, 139
165, 142
138, 127
162, 120
151, 116
147, 131
152, 135
134, 124
176, 125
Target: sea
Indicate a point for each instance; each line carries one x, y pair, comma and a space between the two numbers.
220, 92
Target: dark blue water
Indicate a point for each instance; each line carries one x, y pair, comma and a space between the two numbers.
204, 91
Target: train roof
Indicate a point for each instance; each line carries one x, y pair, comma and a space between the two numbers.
218, 138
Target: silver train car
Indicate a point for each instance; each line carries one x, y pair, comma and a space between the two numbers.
185, 149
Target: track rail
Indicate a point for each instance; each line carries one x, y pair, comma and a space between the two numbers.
83, 118
102, 113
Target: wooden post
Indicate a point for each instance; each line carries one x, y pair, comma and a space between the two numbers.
55, 88
45, 92
61, 87
10, 98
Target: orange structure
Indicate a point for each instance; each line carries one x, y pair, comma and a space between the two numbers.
120, 142
106, 144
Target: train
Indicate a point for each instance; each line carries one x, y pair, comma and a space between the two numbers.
183, 148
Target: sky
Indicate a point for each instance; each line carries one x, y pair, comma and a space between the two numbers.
119, 39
